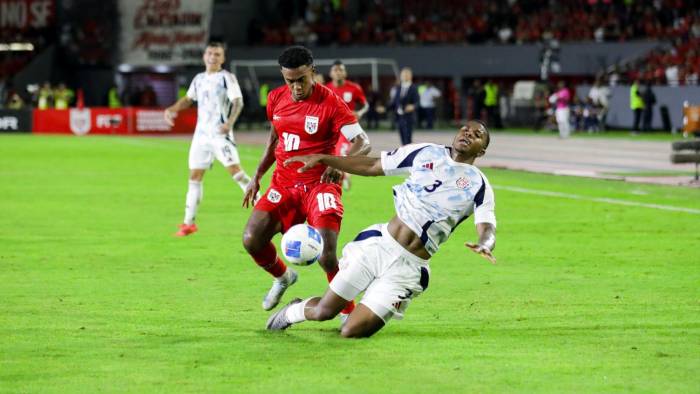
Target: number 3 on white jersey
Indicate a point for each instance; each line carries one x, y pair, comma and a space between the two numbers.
291, 142
325, 201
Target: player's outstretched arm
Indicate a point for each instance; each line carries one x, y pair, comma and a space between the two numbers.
487, 241
358, 165
268, 158
171, 112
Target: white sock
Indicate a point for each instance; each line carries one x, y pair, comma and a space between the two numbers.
295, 313
242, 179
194, 196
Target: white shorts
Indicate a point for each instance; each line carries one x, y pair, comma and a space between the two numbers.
389, 275
205, 148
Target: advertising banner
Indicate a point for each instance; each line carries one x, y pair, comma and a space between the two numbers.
123, 121
151, 121
26, 15
168, 32
15, 120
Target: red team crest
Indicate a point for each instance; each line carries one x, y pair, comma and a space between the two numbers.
274, 196
462, 183
311, 124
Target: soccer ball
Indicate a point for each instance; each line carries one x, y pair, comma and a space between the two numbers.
302, 244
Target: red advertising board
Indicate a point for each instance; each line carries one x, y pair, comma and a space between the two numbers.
122, 121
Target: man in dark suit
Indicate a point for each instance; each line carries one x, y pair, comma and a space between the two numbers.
404, 99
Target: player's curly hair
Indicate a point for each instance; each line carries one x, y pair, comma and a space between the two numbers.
296, 56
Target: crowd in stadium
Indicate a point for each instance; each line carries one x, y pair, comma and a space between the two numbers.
678, 65
323, 22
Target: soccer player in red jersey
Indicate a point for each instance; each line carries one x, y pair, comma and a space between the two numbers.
353, 95
305, 118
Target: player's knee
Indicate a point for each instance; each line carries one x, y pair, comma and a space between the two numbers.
349, 331
196, 176
251, 242
328, 260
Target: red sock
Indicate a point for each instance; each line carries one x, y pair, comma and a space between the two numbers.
351, 305
267, 259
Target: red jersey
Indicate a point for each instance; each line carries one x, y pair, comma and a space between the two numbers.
305, 127
352, 94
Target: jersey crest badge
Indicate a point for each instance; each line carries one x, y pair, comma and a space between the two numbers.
274, 196
462, 183
311, 124
347, 97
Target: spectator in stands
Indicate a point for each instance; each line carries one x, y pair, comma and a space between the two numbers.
428, 97
470, 21
404, 99
649, 99
636, 105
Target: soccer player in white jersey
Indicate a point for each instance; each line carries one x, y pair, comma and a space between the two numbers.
219, 102
389, 262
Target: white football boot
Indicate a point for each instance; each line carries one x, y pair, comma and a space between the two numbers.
278, 321
279, 286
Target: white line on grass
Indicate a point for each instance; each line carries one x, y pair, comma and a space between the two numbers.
597, 199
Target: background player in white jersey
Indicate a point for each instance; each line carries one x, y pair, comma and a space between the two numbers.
389, 262
219, 102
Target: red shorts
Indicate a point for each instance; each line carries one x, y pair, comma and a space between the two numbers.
318, 204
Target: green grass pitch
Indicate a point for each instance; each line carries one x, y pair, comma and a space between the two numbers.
96, 295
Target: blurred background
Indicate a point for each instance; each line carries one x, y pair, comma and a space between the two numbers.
625, 64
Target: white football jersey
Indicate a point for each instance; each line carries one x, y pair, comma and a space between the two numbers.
214, 94
439, 193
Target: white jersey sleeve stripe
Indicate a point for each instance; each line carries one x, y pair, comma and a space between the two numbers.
400, 160
484, 210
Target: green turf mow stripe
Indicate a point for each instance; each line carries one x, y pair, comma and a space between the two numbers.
598, 199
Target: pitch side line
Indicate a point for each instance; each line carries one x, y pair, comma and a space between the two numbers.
598, 199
